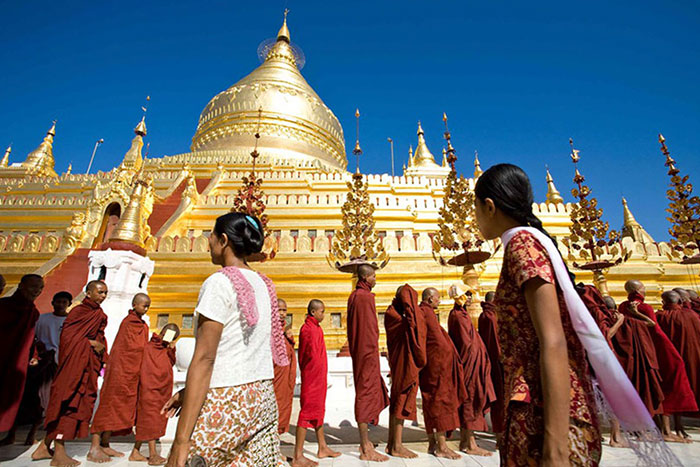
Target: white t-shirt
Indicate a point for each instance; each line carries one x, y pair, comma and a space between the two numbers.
243, 355
48, 331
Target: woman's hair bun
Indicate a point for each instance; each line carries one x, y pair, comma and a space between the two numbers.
243, 231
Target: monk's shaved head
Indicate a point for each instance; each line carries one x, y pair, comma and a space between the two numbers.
692, 294
429, 293
92, 285
609, 302
633, 285
490, 296
313, 305
670, 297
685, 296
281, 301
140, 298
364, 271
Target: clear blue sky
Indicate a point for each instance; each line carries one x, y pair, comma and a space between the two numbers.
517, 79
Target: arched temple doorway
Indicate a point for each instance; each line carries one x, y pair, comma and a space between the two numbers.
109, 222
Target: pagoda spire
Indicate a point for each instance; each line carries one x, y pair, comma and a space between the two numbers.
41, 161
631, 228
444, 157
553, 195
477, 165
422, 156
5, 162
410, 155
133, 159
130, 228
283, 33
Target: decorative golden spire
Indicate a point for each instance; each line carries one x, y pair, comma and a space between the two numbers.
6, 158
410, 155
133, 159
444, 157
477, 165
553, 195
130, 226
358, 150
41, 161
141, 127
422, 157
283, 34
631, 228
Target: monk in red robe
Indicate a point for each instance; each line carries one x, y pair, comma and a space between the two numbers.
313, 364
285, 376
682, 326
635, 349
405, 339
441, 380
155, 388
476, 370
371, 395
678, 396
488, 330
18, 315
116, 412
694, 300
82, 351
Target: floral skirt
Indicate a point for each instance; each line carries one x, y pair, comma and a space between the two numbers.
523, 438
238, 426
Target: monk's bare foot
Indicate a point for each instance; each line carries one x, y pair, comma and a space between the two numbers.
136, 456
63, 460
447, 453
326, 452
111, 452
42, 452
671, 438
682, 432
303, 461
157, 460
98, 455
475, 451
616, 443
368, 453
7, 440
401, 451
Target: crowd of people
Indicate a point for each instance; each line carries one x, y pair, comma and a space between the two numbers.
529, 365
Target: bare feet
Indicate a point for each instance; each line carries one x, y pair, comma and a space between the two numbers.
98, 455
136, 456
303, 461
157, 460
401, 451
111, 452
325, 451
475, 450
368, 453
63, 460
42, 452
671, 438
447, 453
615, 443
682, 432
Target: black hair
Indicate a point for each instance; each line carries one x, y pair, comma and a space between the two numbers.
244, 232
508, 186
314, 304
63, 294
27, 277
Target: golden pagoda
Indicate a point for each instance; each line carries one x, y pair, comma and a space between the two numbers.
49, 222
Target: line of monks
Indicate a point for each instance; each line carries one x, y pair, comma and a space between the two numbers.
138, 373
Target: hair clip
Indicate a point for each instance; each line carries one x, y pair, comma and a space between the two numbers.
252, 221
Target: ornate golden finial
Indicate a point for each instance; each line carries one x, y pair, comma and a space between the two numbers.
130, 226
358, 150
628, 218
684, 213
5, 162
357, 242
141, 127
41, 161
477, 165
283, 34
631, 228
422, 157
590, 238
69, 169
444, 157
410, 155
451, 157
553, 195
133, 159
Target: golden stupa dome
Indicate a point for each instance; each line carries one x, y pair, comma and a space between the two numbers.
293, 121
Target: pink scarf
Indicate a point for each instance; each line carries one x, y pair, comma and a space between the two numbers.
245, 296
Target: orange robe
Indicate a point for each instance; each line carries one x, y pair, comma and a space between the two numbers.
488, 330
116, 411
405, 340
313, 365
476, 369
74, 390
17, 320
371, 396
155, 388
284, 382
441, 379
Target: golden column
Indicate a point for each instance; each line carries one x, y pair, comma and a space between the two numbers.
589, 235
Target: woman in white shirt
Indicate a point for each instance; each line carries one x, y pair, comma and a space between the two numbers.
228, 408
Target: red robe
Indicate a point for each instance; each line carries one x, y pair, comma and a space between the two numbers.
74, 390
441, 379
371, 396
155, 388
116, 411
284, 382
604, 318
635, 350
313, 364
488, 330
476, 369
683, 328
678, 396
693, 304
405, 340
17, 319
